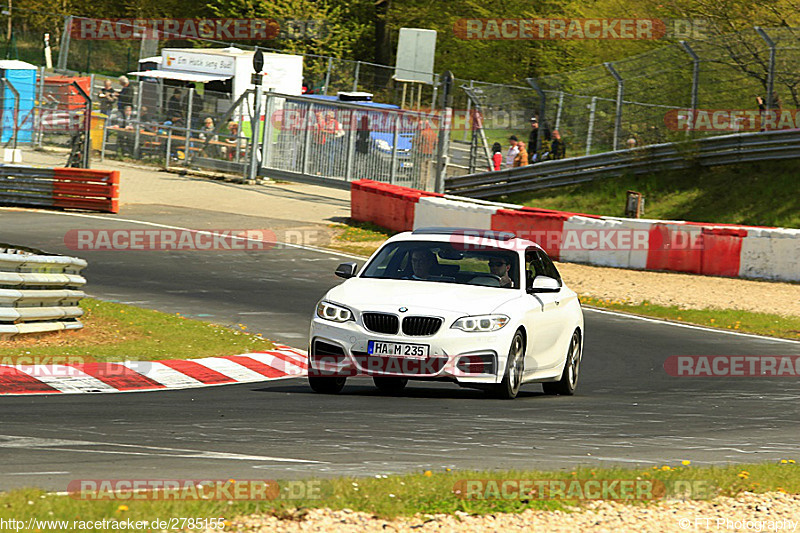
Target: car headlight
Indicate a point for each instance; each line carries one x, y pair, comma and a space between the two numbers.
336, 313
480, 323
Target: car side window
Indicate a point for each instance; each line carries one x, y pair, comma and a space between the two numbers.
531, 267
548, 268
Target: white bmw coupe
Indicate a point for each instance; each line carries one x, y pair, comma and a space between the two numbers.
483, 309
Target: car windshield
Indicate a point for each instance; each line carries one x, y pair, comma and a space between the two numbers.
445, 263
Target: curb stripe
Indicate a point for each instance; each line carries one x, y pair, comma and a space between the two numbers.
17, 382
256, 366
161, 373
197, 371
118, 376
233, 370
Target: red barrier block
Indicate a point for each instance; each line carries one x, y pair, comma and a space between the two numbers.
722, 249
82, 188
543, 227
675, 247
388, 206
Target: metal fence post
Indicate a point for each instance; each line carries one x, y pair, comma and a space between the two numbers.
307, 139
444, 131
395, 137
355, 76
268, 133
469, 108
590, 131
256, 129
63, 51
186, 144
620, 93
351, 146
771, 72
136, 138
558, 111
532, 158
695, 79
328, 76
40, 99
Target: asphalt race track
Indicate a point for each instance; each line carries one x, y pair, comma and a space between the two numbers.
627, 410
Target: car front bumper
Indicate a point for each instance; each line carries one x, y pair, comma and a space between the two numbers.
341, 349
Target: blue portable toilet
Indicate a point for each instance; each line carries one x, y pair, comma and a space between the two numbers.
23, 77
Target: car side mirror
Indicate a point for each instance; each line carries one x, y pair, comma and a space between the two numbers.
346, 270
544, 284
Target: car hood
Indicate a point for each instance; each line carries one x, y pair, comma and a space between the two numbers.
389, 295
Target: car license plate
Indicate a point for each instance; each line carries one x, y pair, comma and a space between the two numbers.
398, 349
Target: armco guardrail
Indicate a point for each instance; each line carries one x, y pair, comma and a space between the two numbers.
39, 292
677, 246
723, 150
64, 188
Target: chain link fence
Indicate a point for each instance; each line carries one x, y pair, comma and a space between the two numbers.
645, 99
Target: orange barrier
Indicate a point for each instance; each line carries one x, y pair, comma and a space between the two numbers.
80, 188
388, 206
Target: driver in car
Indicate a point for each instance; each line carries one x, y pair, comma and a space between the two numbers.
500, 267
423, 263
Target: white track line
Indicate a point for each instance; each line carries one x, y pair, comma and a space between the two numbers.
688, 326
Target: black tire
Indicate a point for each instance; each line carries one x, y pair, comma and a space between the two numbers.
327, 385
390, 384
569, 377
515, 366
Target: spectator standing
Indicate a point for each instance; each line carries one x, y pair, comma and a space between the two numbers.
533, 137
497, 156
522, 157
557, 148
424, 146
174, 104
125, 96
207, 135
513, 150
107, 97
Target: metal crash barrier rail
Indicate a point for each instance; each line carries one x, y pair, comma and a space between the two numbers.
39, 292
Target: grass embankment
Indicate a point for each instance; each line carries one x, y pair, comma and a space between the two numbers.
116, 332
364, 238
759, 194
420, 493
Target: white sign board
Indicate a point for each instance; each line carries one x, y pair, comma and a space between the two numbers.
415, 52
283, 73
198, 62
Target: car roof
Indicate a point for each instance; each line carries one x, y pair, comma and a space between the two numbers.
491, 238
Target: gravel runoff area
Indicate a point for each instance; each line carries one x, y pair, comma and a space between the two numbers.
749, 512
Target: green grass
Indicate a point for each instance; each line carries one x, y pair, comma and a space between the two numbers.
761, 194
734, 320
362, 232
116, 332
408, 495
